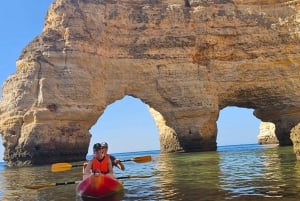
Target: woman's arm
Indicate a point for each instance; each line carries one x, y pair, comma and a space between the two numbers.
87, 170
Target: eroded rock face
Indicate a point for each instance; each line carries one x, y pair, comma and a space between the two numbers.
267, 133
186, 59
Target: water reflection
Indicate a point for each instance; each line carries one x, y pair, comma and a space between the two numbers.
297, 176
13, 181
259, 172
234, 173
189, 176
115, 197
263, 173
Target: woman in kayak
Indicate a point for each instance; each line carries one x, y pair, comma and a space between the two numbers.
100, 163
115, 161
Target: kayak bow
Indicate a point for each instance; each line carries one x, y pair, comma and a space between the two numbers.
99, 186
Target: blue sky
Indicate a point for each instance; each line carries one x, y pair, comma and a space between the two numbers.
126, 124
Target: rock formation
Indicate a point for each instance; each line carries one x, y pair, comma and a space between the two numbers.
187, 60
267, 133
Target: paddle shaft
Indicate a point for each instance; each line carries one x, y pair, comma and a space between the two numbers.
66, 183
77, 165
76, 182
134, 176
38, 186
139, 159
124, 177
125, 160
60, 167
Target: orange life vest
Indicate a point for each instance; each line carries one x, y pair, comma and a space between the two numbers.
101, 166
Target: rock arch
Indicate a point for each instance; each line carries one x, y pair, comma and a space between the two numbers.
127, 125
186, 59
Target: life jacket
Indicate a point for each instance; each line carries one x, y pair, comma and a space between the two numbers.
100, 166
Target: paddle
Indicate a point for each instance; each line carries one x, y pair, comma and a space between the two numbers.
51, 184
60, 167
139, 159
134, 177
76, 182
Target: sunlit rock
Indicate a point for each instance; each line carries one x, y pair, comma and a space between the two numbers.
186, 59
267, 133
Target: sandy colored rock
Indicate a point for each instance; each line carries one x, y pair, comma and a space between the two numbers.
186, 59
267, 133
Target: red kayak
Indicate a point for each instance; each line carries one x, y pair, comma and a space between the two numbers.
99, 186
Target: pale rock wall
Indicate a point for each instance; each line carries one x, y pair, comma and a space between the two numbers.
187, 60
267, 133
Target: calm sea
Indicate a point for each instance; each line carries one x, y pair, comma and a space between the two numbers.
240, 172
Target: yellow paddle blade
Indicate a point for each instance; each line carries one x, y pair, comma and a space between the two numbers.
60, 167
40, 186
142, 159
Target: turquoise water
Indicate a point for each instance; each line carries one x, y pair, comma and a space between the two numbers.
243, 172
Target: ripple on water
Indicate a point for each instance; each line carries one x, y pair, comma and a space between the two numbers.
248, 173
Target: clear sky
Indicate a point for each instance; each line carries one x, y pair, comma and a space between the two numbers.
126, 124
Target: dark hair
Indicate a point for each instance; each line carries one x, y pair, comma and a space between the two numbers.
97, 146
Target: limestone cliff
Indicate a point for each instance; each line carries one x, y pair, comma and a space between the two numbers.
186, 59
267, 133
